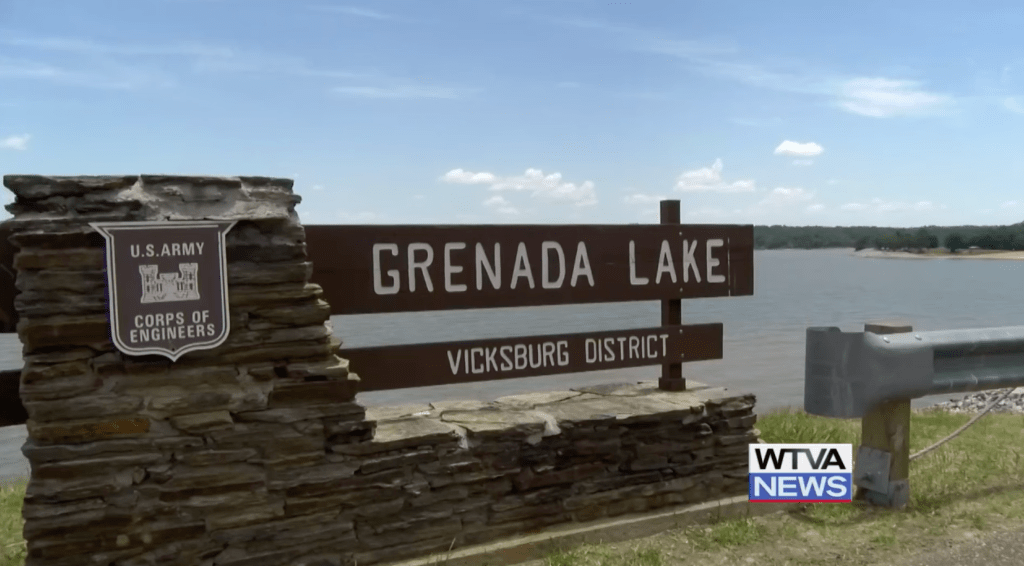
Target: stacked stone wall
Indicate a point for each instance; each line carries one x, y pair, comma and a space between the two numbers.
257, 453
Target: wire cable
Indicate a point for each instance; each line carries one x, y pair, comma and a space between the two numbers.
957, 432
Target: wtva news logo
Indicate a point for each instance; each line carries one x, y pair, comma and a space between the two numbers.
801, 473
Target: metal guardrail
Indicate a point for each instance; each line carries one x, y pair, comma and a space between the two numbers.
874, 374
849, 373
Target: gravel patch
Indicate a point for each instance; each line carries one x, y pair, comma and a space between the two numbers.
976, 402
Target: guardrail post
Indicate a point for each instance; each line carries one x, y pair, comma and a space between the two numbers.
882, 467
671, 312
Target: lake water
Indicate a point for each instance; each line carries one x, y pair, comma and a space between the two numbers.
764, 334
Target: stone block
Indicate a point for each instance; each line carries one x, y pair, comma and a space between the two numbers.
216, 457
280, 294
387, 479
87, 430
287, 395
490, 422
71, 469
63, 331
236, 515
397, 435
248, 273
348, 411
196, 399
372, 464
199, 423
83, 407
68, 259
396, 531
527, 479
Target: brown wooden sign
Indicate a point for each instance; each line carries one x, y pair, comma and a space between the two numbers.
421, 365
381, 268
8, 316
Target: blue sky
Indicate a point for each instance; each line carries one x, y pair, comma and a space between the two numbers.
559, 111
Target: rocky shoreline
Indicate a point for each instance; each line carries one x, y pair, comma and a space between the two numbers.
976, 402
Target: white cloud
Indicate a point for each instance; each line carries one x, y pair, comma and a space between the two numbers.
534, 181
803, 162
809, 149
15, 142
880, 205
783, 196
640, 198
318, 187
881, 98
707, 213
418, 197
500, 205
816, 208
867, 96
549, 186
833, 181
1011, 204
1014, 105
710, 179
467, 178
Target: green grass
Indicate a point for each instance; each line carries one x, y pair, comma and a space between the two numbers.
12, 545
974, 483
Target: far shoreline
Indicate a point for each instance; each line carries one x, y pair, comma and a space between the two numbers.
872, 253
941, 254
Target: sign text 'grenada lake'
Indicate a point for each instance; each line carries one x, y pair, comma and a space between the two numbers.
389, 269
376, 269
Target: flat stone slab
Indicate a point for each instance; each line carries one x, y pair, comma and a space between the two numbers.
461, 405
622, 408
530, 400
420, 429
541, 413
618, 389
493, 420
397, 412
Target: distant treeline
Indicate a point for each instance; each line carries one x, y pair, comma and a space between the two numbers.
861, 237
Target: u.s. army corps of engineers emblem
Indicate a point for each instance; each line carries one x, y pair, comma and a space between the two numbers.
167, 286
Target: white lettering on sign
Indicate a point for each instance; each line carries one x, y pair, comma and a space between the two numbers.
545, 280
170, 250
378, 285
522, 267
625, 348
493, 269
169, 326
712, 262
508, 357
421, 265
689, 263
633, 279
450, 269
666, 265
420, 256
